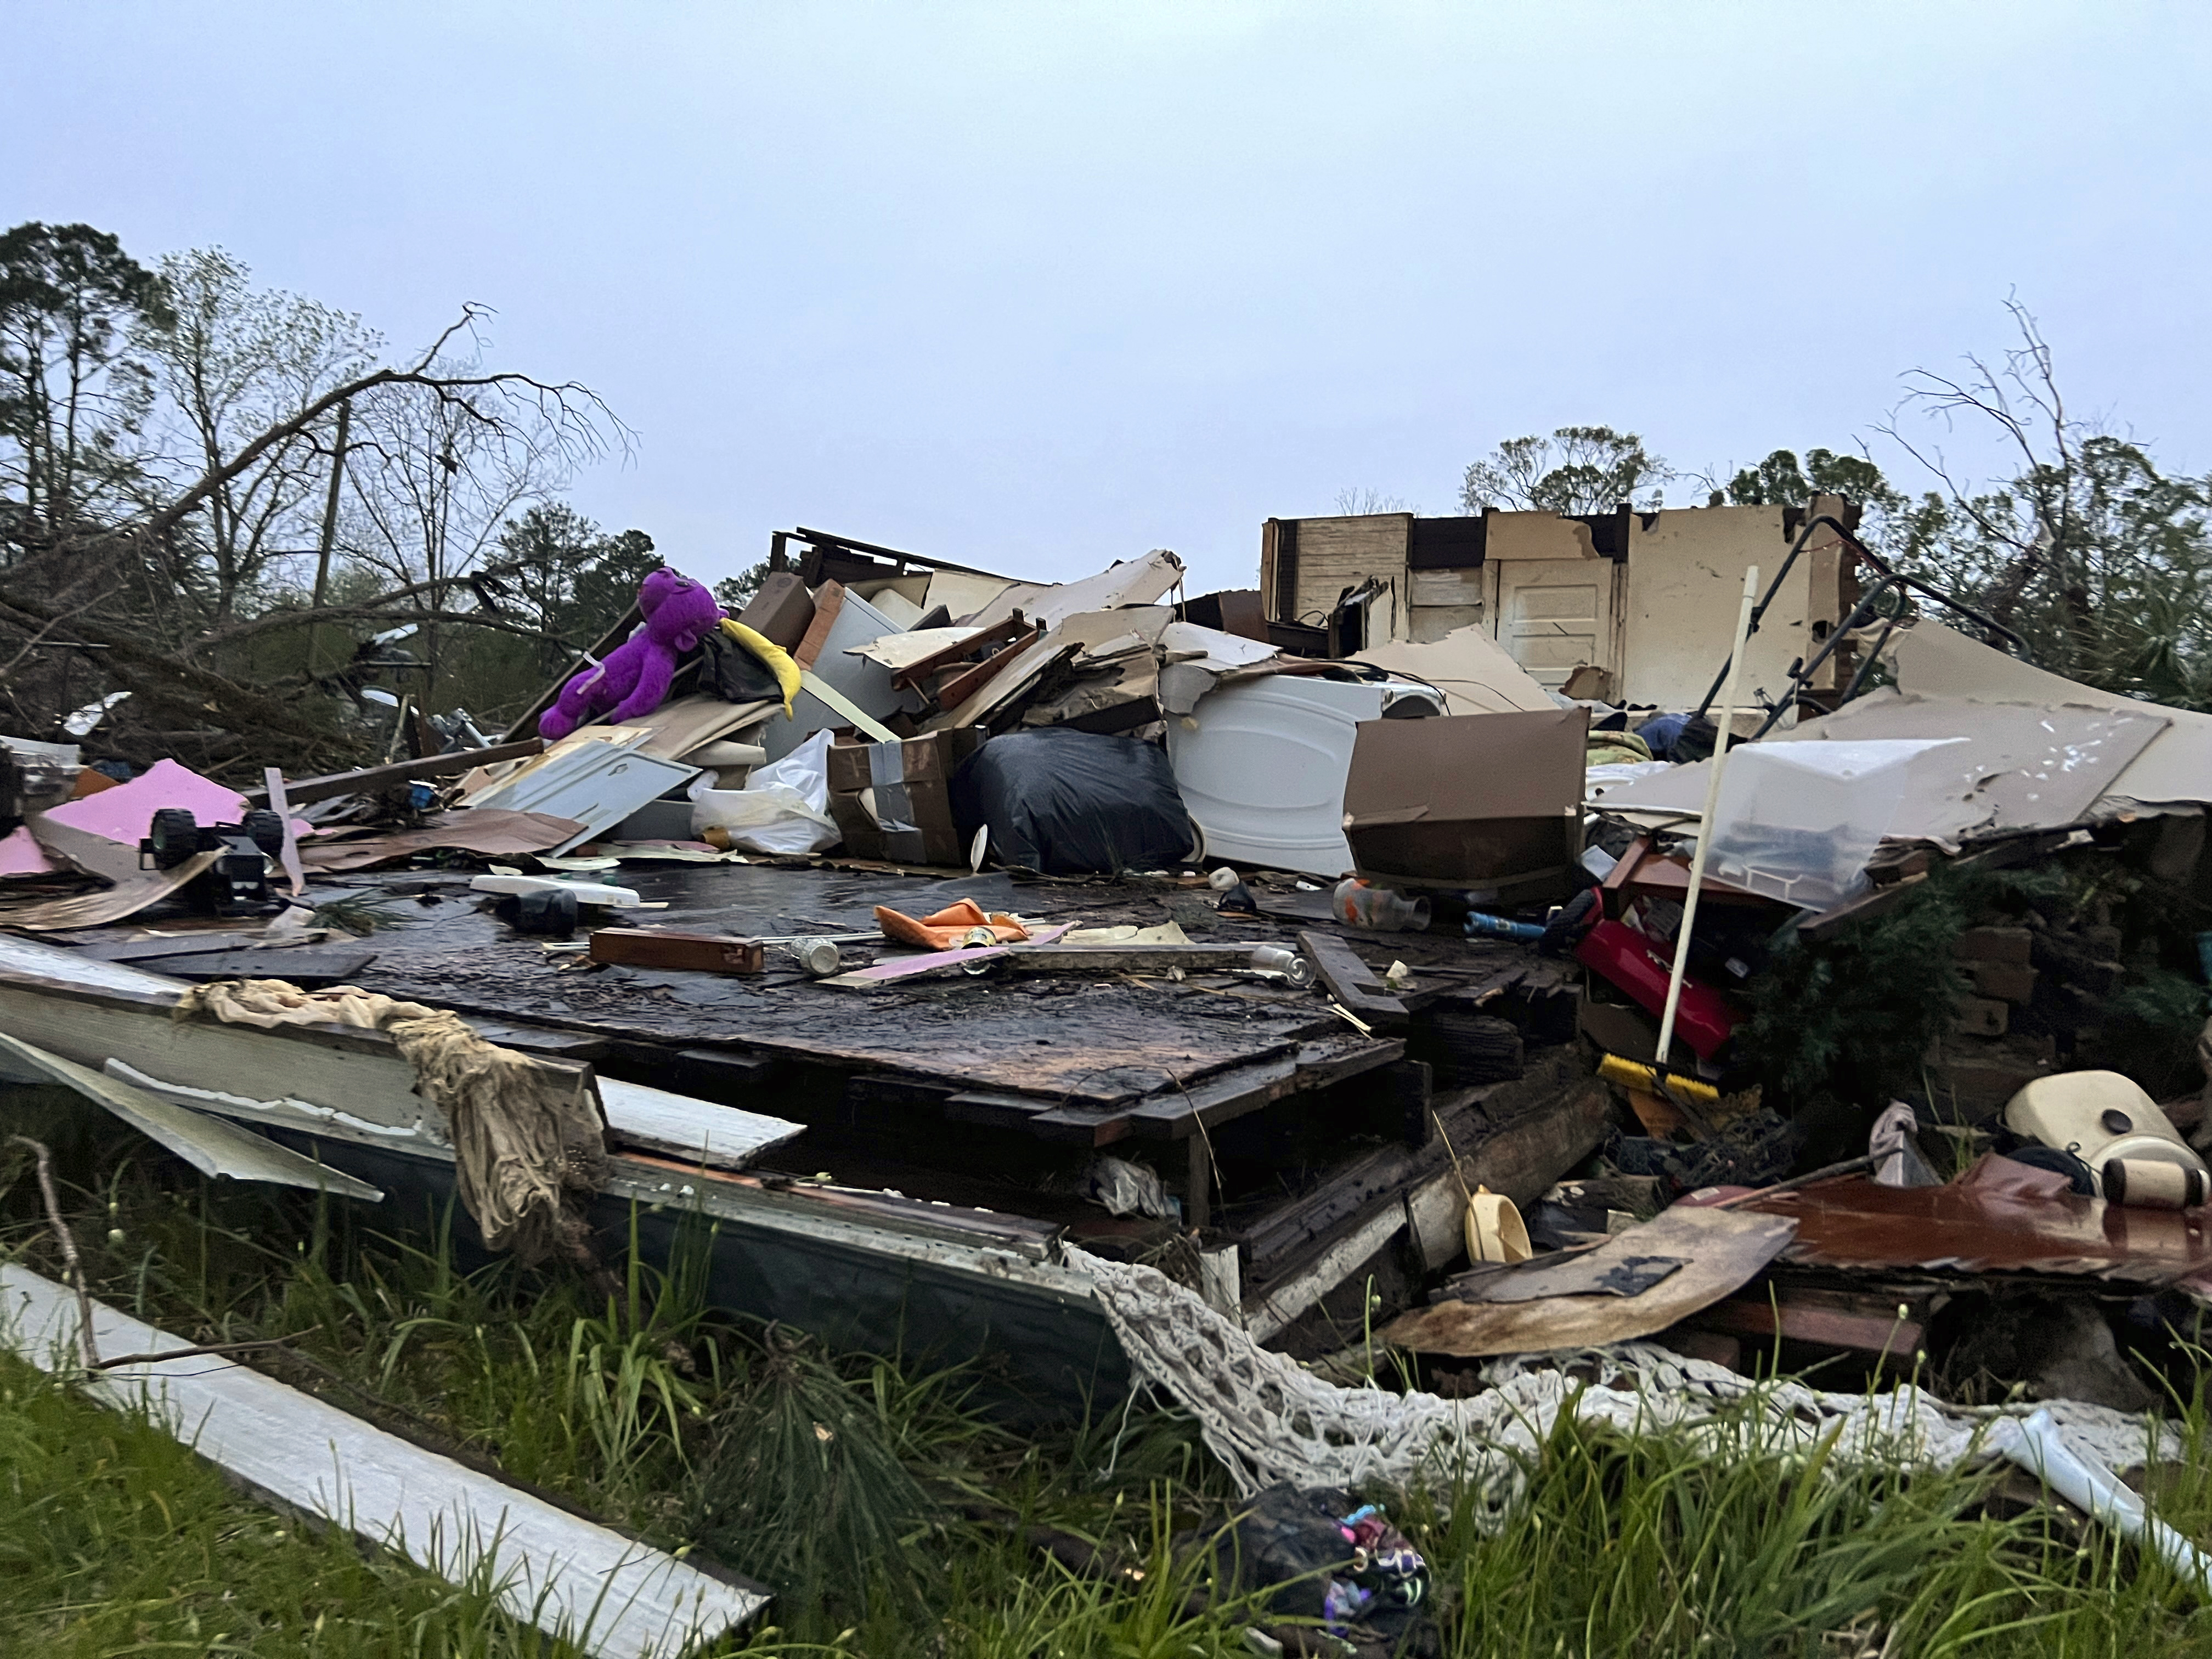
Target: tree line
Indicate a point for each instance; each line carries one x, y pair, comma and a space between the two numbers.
241, 507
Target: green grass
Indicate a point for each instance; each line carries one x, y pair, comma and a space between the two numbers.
891, 1516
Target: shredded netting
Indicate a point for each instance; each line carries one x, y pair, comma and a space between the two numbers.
1269, 1420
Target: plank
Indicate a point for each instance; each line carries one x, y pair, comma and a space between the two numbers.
310, 966
568, 1577
307, 790
1350, 981
723, 1137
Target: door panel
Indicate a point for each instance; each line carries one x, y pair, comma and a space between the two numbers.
1554, 615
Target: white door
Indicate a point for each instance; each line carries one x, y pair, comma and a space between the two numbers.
1554, 615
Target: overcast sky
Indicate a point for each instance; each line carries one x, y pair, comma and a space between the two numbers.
1035, 287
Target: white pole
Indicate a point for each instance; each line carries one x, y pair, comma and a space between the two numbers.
1726, 725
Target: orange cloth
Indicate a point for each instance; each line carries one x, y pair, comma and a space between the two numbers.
949, 928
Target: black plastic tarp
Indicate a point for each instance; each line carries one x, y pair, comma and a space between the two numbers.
1069, 803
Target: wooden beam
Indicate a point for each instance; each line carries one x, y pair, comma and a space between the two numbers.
307, 790
1350, 980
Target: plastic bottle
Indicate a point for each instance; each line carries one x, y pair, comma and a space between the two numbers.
1378, 908
1481, 921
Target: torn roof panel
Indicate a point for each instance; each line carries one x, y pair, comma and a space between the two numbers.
2175, 768
2019, 767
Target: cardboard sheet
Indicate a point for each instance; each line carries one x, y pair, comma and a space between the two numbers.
125, 898
1131, 582
1719, 1251
488, 831
1467, 800
1476, 674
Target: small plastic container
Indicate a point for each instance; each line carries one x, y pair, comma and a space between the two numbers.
1378, 908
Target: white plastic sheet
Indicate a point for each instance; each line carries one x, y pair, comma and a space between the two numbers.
783, 808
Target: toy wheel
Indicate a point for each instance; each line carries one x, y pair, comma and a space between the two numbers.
173, 837
265, 829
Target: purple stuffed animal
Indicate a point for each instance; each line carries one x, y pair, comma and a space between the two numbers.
633, 679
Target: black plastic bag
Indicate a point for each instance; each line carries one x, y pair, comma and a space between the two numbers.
1069, 803
733, 673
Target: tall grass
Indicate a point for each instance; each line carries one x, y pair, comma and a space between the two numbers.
893, 1518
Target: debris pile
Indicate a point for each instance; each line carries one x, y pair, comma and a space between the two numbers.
1412, 948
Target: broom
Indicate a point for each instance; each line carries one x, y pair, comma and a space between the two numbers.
1687, 1092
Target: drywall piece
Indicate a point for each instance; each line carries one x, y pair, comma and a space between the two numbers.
571, 1577
720, 1136
896, 651
865, 684
1476, 674
587, 892
597, 785
1684, 578
23, 956
1127, 582
962, 594
1715, 1252
2019, 767
2176, 768
213, 1146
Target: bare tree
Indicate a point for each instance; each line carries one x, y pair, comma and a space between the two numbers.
230, 362
1367, 501
2100, 559
447, 446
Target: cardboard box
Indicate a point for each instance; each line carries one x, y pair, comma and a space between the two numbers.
1491, 802
893, 800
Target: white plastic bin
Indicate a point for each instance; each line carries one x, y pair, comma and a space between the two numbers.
1798, 821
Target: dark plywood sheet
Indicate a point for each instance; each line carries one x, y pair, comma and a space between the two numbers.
1061, 1038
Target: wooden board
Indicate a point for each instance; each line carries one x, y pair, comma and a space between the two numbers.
1717, 1254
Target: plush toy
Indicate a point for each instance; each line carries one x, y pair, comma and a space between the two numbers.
633, 679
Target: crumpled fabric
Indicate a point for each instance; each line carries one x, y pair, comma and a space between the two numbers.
949, 928
527, 1134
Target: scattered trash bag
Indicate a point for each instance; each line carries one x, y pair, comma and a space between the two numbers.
1679, 737
1343, 1563
733, 673
2059, 1161
550, 911
1069, 803
1896, 1159
783, 808
1567, 924
1127, 1188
